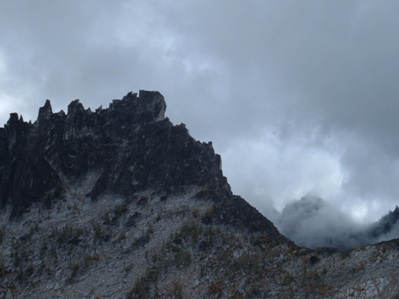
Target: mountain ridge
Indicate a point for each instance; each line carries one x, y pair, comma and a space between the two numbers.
40, 158
121, 203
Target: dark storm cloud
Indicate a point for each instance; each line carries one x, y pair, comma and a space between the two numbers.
298, 97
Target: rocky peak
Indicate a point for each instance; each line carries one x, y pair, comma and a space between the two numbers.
126, 148
45, 112
387, 226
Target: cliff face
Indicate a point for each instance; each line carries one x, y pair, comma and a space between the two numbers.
126, 148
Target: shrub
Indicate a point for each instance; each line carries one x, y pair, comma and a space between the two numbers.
215, 288
2, 233
141, 289
75, 268
106, 219
195, 212
89, 259
143, 201
120, 210
122, 235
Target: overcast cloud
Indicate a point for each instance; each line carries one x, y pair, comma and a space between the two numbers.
299, 97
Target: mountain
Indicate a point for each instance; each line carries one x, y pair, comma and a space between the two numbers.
386, 228
121, 203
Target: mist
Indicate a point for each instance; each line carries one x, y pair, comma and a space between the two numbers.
313, 222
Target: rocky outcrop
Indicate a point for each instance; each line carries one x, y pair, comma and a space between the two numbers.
386, 228
127, 147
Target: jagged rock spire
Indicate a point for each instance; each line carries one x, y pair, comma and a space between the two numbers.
45, 112
128, 147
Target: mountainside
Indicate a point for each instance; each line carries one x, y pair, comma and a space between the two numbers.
385, 228
121, 203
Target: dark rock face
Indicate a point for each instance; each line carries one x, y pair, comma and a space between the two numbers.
234, 210
386, 225
128, 147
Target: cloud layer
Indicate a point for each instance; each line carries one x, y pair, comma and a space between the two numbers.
313, 222
298, 97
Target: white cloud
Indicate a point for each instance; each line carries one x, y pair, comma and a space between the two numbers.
282, 170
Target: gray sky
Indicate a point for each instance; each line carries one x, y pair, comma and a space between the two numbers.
299, 97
